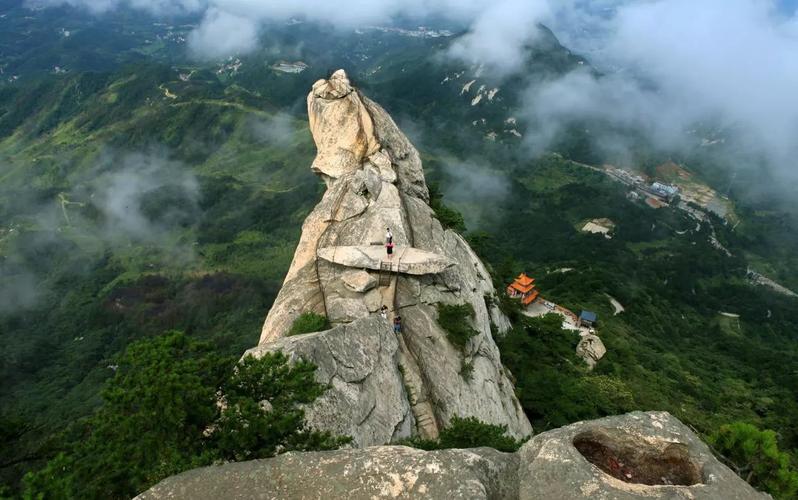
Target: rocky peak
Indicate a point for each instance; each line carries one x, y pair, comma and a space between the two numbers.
341, 126
386, 386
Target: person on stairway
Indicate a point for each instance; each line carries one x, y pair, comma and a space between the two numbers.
397, 325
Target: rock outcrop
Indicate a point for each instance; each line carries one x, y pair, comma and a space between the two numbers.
385, 386
634, 456
591, 349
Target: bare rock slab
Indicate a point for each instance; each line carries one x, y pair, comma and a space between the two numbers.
405, 260
591, 349
648, 455
377, 472
628, 457
366, 399
359, 281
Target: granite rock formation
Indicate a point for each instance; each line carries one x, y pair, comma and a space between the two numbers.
385, 386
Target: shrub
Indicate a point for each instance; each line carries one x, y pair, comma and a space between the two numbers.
455, 320
755, 456
309, 322
467, 370
468, 432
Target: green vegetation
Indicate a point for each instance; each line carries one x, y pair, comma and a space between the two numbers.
467, 370
468, 432
755, 456
670, 349
157, 412
559, 390
447, 216
456, 321
309, 322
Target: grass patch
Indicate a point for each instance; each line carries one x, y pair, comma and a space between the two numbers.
309, 322
455, 320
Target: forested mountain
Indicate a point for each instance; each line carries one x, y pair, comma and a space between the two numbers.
144, 191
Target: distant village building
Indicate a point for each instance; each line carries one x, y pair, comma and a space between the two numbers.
289, 67
664, 191
588, 319
524, 288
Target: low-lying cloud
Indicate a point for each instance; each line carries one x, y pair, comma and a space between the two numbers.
276, 129
729, 63
221, 34
126, 200
475, 189
144, 198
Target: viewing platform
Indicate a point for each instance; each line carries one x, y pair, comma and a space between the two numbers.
406, 260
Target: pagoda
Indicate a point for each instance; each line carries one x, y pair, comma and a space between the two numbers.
524, 288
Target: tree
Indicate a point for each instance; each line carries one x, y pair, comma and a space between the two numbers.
468, 432
161, 415
755, 456
263, 415
455, 319
151, 424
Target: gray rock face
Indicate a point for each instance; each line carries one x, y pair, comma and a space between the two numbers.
371, 473
404, 260
638, 455
591, 349
564, 464
375, 181
366, 399
359, 281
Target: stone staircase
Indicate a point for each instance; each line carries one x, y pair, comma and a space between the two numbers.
423, 413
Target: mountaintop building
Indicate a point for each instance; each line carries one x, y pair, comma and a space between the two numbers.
523, 287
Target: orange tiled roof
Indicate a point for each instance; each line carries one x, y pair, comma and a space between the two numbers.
530, 298
524, 280
521, 288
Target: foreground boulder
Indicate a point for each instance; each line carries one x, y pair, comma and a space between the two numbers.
634, 456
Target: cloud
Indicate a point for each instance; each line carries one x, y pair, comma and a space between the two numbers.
670, 64
474, 188
730, 63
156, 7
222, 34
145, 199
19, 289
498, 35
277, 129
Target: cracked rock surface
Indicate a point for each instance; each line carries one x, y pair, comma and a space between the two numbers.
549, 467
